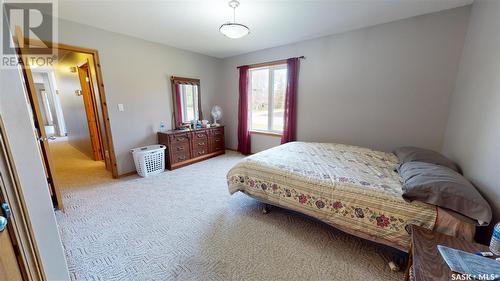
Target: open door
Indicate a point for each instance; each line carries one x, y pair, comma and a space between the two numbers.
38, 121
90, 110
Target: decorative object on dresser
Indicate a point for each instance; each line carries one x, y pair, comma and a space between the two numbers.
185, 147
216, 114
425, 261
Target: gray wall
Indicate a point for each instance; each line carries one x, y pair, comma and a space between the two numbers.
381, 87
473, 132
137, 74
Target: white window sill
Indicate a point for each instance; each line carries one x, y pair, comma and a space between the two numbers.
266, 133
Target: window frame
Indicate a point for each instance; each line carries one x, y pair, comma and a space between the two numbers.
270, 109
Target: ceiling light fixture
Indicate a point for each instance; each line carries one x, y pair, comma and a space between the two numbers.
233, 29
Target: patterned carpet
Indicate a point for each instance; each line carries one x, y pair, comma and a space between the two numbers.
183, 225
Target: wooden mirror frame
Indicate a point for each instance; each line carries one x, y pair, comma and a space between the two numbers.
189, 81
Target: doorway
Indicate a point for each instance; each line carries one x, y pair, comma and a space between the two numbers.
70, 113
68, 98
68, 101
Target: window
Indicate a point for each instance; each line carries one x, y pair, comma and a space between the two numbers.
189, 98
267, 98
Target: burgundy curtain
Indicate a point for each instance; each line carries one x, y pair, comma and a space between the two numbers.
243, 131
290, 114
178, 114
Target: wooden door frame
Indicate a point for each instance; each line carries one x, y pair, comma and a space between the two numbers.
102, 95
86, 68
19, 227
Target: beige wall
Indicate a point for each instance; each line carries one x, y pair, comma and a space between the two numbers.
262, 142
473, 132
137, 74
381, 87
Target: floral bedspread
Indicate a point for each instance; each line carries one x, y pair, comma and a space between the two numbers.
353, 188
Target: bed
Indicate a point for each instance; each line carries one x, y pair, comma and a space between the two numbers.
352, 188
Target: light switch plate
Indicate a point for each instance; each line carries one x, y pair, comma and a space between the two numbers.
120, 107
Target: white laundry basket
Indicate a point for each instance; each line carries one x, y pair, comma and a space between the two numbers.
149, 160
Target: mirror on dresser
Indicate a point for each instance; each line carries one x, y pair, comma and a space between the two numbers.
186, 98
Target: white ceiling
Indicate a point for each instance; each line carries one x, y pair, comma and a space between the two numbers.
193, 25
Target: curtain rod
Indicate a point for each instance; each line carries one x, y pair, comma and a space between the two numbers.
269, 63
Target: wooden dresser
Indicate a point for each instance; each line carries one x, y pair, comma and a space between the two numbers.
190, 146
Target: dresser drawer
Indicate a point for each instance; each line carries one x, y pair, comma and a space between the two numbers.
200, 151
219, 143
218, 131
200, 143
179, 138
200, 135
179, 157
179, 147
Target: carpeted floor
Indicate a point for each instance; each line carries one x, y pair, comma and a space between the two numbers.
184, 225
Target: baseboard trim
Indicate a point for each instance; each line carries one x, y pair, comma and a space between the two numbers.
131, 173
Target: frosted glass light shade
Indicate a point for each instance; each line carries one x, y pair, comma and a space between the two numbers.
234, 30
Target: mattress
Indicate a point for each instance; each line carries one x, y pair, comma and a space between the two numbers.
355, 189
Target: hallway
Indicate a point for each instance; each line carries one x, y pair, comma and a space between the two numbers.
75, 170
